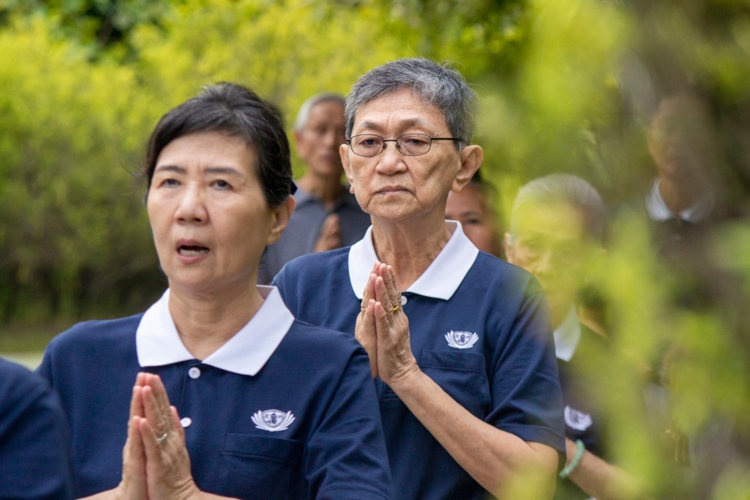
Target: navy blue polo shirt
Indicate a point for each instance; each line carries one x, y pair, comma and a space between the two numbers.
34, 439
479, 328
283, 410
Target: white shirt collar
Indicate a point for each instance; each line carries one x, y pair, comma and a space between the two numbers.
439, 281
158, 343
567, 336
659, 211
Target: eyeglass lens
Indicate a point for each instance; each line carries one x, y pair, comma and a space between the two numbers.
408, 144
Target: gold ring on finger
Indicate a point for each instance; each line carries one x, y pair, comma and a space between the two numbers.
160, 440
395, 309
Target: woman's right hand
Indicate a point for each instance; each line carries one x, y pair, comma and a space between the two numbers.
364, 331
133, 483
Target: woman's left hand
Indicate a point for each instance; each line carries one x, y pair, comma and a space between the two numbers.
168, 474
394, 357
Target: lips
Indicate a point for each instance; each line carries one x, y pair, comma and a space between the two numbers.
391, 189
191, 250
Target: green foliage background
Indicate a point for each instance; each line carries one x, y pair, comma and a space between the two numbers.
564, 85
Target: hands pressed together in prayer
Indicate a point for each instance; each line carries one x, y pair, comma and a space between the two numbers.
155, 459
383, 328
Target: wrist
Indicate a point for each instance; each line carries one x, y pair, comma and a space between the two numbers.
573, 460
405, 377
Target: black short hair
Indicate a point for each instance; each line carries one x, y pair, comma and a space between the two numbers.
239, 112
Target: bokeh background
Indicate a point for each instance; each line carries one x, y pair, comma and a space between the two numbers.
564, 86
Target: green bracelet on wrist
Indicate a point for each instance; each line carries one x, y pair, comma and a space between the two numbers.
576, 460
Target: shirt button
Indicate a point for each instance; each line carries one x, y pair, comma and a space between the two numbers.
404, 300
185, 422
194, 372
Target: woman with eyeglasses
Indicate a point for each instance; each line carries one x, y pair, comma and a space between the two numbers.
216, 389
459, 341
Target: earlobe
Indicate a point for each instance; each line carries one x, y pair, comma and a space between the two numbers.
471, 159
281, 215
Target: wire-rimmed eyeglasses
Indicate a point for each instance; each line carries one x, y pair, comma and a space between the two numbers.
408, 144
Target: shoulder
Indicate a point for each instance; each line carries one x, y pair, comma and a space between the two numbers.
92, 342
502, 277
330, 344
98, 331
314, 266
18, 384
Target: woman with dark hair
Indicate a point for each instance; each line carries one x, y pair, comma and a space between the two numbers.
232, 396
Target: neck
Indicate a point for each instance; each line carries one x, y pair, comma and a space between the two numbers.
206, 320
327, 189
680, 195
409, 247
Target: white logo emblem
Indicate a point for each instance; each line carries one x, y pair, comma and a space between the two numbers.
577, 420
273, 420
461, 340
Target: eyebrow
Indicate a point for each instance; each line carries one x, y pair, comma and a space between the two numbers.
223, 170
170, 168
208, 170
402, 124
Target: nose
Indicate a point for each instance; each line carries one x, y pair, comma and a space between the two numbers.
192, 205
391, 160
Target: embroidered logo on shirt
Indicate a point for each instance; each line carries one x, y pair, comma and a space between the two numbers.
461, 340
273, 420
577, 419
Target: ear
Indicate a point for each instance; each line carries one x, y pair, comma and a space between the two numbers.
509, 254
280, 216
297, 137
344, 152
471, 159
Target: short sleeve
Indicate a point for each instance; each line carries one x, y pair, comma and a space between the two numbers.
346, 454
526, 394
34, 438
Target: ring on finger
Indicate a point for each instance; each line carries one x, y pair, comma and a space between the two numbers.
163, 438
395, 309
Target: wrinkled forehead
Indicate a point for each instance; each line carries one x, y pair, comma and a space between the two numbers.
398, 111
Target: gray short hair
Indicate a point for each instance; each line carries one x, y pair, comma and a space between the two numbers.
565, 188
438, 85
303, 115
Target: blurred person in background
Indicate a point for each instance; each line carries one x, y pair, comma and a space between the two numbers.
683, 200
35, 462
474, 208
459, 341
327, 215
216, 389
557, 230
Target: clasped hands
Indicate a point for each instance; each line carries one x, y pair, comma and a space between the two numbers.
156, 464
383, 328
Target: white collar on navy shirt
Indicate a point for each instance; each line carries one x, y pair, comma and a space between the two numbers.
659, 211
441, 279
158, 343
567, 335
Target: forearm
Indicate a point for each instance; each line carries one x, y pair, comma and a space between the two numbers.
600, 479
491, 456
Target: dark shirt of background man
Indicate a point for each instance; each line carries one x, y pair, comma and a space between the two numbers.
34, 440
327, 215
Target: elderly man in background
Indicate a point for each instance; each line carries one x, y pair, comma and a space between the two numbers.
327, 216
